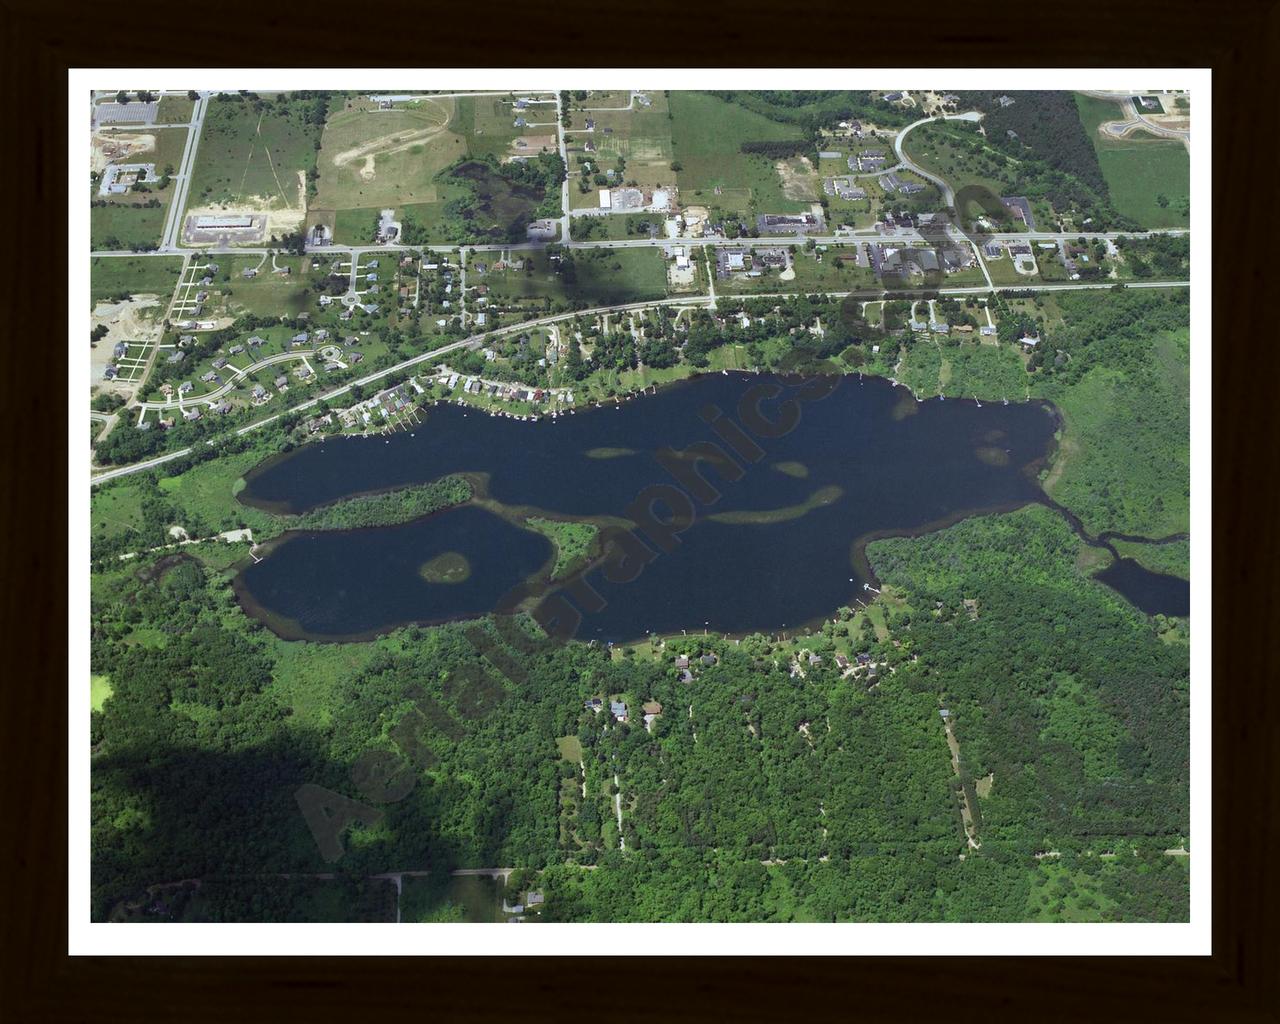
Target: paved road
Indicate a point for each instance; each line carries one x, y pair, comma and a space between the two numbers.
865, 235
475, 340
182, 186
210, 397
948, 194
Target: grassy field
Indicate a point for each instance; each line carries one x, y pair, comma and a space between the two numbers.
601, 277
933, 367
138, 275
963, 159
174, 109
614, 226
1139, 170
808, 274
125, 226
706, 136
268, 294
1127, 464
100, 690
253, 158
488, 123
640, 137
386, 158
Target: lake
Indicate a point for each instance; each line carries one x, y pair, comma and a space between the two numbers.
765, 530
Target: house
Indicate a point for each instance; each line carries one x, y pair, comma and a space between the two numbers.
618, 710
989, 330
256, 342
863, 659
842, 662
120, 349
281, 381
815, 659
208, 378
176, 357
299, 339
259, 393
594, 704
110, 372
354, 357
220, 362
191, 414
185, 387
249, 272
682, 661
534, 899
1029, 341
222, 408
709, 660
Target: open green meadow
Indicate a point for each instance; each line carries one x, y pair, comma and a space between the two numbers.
1141, 170
593, 277
135, 275
386, 158
174, 109
706, 138
125, 226
255, 154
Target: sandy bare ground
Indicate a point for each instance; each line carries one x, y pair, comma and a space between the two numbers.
533, 145
129, 144
799, 179
125, 321
386, 145
280, 219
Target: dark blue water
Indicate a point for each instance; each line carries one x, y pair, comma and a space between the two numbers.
1154, 592
339, 583
866, 457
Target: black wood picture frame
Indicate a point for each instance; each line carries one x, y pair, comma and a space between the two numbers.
1240, 981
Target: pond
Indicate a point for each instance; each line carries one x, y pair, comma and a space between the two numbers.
747, 502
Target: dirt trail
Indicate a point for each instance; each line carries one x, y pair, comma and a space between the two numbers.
386, 145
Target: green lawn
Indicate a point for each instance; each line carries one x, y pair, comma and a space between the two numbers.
137, 275
99, 691
1140, 170
125, 226
599, 277
174, 109
706, 136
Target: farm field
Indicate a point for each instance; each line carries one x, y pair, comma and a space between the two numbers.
1140, 170
137, 275
706, 138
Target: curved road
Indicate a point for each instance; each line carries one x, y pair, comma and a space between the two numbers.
476, 339
948, 194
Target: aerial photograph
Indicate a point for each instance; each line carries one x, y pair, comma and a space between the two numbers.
638, 505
